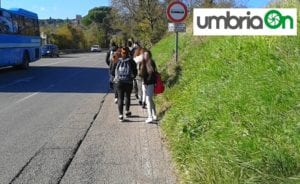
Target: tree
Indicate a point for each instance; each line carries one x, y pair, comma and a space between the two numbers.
68, 37
215, 3
94, 35
96, 15
140, 19
99, 20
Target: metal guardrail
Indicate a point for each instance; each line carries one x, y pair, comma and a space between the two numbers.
75, 51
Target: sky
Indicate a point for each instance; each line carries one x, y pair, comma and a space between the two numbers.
257, 3
55, 8
70, 8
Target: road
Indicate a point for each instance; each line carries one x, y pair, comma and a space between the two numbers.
45, 113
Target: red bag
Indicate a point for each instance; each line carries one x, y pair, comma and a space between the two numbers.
159, 86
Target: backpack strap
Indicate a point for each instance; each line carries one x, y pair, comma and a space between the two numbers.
116, 72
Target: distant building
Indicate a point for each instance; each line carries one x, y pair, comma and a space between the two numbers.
78, 19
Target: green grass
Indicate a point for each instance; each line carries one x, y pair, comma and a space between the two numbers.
232, 108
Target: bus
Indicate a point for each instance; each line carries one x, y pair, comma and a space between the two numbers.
20, 41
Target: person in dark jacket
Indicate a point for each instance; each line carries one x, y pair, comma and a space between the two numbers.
109, 61
148, 76
124, 72
113, 62
110, 53
131, 53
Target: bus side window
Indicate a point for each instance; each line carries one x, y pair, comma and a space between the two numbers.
21, 25
29, 24
1, 24
15, 21
36, 28
6, 25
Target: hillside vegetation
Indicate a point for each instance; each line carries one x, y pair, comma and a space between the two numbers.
232, 107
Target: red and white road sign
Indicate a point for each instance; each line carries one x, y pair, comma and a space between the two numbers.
177, 11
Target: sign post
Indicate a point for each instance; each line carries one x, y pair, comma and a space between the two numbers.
177, 13
177, 45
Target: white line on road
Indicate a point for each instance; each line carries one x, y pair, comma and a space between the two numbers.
27, 97
40, 91
55, 63
19, 101
28, 79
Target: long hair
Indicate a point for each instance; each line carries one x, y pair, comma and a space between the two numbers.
139, 51
148, 66
116, 56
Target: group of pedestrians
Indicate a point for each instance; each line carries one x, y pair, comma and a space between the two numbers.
132, 68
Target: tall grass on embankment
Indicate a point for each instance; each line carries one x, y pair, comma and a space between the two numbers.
232, 109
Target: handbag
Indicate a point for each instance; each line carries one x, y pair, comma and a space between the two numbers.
159, 86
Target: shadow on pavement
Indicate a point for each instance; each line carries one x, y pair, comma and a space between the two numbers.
130, 121
54, 79
61, 56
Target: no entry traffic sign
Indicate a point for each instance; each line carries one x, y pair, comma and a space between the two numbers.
177, 11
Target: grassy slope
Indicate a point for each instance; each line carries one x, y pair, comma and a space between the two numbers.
233, 108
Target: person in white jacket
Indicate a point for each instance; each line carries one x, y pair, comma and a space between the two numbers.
138, 58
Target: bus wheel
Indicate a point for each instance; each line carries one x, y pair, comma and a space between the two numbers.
25, 63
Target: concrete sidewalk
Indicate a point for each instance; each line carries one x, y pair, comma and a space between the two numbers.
121, 152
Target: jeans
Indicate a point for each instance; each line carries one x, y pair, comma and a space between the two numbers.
149, 100
144, 93
124, 91
115, 90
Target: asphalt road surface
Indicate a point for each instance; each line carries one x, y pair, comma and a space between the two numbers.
40, 111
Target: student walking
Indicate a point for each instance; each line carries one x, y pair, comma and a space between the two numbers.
132, 48
148, 76
110, 53
113, 62
124, 72
138, 58
111, 58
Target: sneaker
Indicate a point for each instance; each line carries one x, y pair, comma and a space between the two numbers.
127, 114
116, 100
155, 118
149, 120
121, 119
